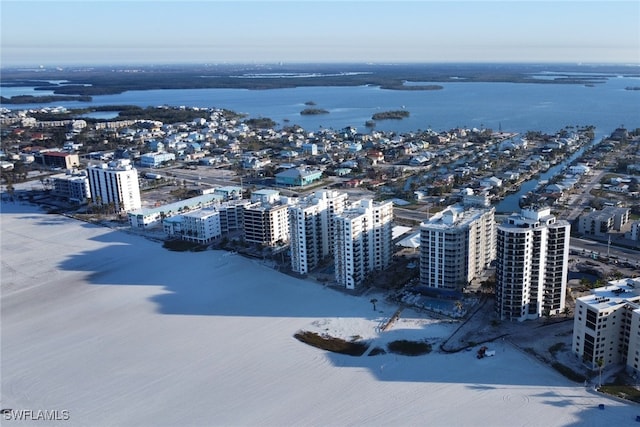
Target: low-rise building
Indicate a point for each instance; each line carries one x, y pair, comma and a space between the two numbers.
144, 218
72, 185
154, 160
58, 159
201, 226
607, 220
298, 177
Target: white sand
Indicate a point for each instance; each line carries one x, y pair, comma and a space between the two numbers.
121, 332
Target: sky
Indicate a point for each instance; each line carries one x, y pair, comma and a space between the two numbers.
211, 31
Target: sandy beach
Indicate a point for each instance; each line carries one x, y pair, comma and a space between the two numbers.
118, 331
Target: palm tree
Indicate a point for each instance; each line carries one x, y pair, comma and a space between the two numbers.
600, 363
374, 301
458, 305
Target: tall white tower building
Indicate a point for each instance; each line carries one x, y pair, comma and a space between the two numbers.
115, 183
531, 265
456, 245
311, 226
362, 241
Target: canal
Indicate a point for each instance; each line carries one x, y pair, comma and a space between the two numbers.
511, 204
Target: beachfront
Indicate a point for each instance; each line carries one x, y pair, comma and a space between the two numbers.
116, 330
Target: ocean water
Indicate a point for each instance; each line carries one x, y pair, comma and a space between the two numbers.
513, 107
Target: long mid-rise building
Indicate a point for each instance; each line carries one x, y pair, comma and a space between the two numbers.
606, 326
456, 245
363, 241
116, 184
311, 224
532, 265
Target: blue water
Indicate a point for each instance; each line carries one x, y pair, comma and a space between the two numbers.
513, 107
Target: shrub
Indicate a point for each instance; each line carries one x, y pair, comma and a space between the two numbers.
409, 348
556, 347
376, 351
568, 372
335, 345
182, 246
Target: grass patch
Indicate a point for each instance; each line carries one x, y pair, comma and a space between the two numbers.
183, 246
568, 372
623, 388
623, 391
376, 351
409, 348
335, 345
556, 347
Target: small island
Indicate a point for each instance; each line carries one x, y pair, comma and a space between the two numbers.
312, 111
394, 115
30, 99
632, 88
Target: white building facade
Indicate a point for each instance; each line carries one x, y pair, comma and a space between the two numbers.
311, 225
363, 240
456, 246
72, 185
532, 265
606, 326
115, 183
201, 226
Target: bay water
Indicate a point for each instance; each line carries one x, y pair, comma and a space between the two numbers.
511, 107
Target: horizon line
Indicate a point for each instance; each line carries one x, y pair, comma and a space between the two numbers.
284, 63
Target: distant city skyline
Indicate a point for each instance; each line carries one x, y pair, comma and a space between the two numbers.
119, 32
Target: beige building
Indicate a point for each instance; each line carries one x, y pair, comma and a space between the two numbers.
266, 224
599, 223
456, 245
606, 326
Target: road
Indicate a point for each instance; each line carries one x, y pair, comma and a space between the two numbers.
579, 202
603, 249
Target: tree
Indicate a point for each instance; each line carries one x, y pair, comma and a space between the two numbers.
600, 364
374, 301
566, 311
458, 305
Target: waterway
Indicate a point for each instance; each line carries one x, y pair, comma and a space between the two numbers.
511, 203
512, 107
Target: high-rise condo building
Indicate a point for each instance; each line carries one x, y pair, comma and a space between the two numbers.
456, 245
115, 184
606, 326
266, 223
531, 265
311, 224
363, 234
